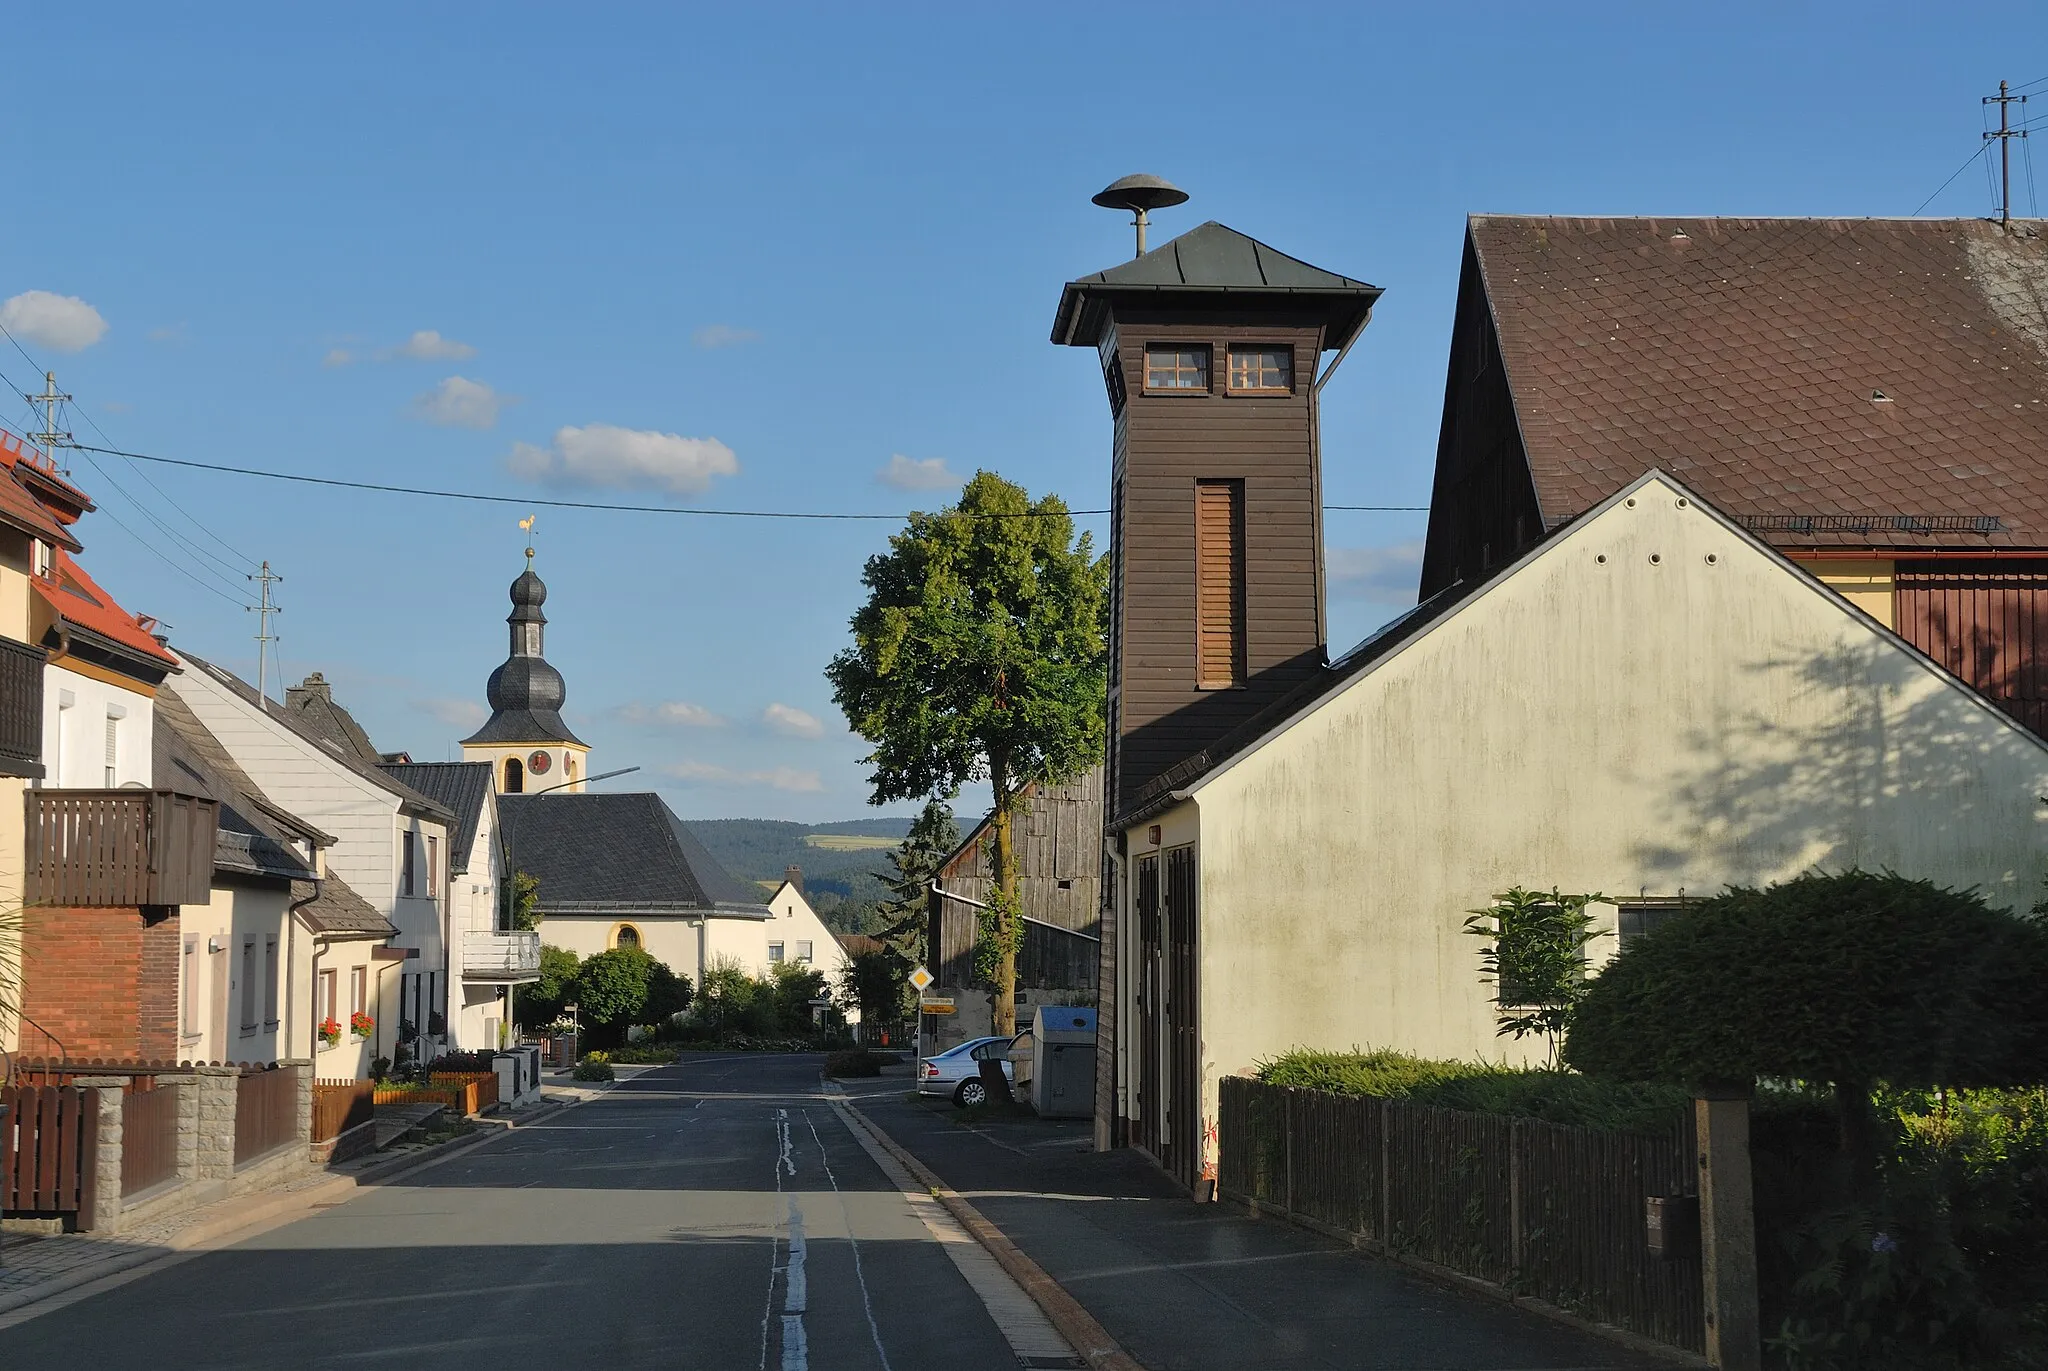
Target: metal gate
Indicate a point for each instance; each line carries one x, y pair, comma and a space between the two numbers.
1151, 1110
1183, 1154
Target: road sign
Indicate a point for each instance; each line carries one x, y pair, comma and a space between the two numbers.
935, 1007
921, 980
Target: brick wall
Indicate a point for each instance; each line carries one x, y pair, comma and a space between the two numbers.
103, 982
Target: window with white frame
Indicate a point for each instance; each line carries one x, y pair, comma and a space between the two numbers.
191, 965
803, 950
113, 758
775, 952
270, 987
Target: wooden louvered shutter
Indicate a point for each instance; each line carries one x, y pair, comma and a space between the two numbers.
1219, 584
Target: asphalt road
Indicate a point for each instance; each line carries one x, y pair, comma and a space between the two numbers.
715, 1214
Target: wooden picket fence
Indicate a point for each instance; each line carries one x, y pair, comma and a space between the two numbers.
266, 1113
1540, 1209
149, 1137
463, 1092
45, 1136
339, 1106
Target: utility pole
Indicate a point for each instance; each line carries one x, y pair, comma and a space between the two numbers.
264, 638
52, 437
2005, 133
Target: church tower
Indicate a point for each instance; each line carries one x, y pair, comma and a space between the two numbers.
525, 741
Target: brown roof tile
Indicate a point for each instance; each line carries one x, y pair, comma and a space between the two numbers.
1741, 355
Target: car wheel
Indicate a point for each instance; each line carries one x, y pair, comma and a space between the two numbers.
970, 1092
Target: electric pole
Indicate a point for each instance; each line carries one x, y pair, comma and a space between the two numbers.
2005, 133
264, 637
52, 437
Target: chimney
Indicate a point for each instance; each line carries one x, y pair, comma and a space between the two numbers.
313, 687
795, 876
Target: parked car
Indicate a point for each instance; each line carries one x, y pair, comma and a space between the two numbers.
957, 1070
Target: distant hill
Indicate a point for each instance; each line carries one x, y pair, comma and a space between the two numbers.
845, 860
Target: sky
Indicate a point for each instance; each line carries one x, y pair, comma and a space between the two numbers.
791, 258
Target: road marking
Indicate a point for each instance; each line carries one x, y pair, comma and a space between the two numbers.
795, 1293
851, 1241
1021, 1322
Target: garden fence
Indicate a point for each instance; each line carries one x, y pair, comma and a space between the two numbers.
149, 1137
339, 1106
46, 1134
266, 1112
1545, 1210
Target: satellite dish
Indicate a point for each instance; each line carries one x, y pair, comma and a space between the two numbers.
1140, 194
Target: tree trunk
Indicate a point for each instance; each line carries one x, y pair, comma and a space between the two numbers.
1007, 912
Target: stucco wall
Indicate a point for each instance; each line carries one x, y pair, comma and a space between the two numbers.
210, 982
75, 712
1596, 721
668, 938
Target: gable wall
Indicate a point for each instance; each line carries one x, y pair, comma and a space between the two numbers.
1626, 728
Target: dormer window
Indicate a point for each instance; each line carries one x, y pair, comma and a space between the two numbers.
1262, 370
1177, 367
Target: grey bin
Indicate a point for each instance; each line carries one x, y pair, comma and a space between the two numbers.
1063, 1062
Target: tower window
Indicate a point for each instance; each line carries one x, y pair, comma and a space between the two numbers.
1262, 369
515, 776
1177, 366
1219, 585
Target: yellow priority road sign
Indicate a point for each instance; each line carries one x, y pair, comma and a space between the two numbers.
921, 980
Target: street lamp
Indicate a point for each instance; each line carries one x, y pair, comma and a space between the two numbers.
584, 780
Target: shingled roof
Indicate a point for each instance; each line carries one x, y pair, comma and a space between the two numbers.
253, 838
1866, 382
464, 787
593, 853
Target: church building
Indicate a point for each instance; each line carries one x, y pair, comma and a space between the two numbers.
525, 741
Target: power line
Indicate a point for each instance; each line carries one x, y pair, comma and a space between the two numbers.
606, 506
1981, 150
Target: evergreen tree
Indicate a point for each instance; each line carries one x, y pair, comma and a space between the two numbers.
914, 866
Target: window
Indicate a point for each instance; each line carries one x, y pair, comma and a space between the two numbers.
270, 989
775, 952
992, 1051
1262, 368
569, 767
1177, 366
358, 990
627, 936
190, 968
1219, 584
803, 950
248, 985
113, 749
408, 875
529, 640
433, 865
1637, 917
515, 776
325, 1000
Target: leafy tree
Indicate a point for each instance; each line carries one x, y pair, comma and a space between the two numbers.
876, 983
1853, 980
626, 986
537, 1005
524, 896
792, 986
1536, 959
979, 655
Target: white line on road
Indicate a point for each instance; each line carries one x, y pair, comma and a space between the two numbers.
851, 1241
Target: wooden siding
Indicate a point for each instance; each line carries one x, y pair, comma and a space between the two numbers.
1482, 508
1219, 583
1165, 444
100, 849
1986, 621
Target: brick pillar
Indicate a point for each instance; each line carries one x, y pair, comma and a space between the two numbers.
156, 1000
214, 1134
302, 1067
101, 1212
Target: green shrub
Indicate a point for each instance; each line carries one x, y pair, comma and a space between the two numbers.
858, 1062
595, 1066
643, 1054
1554, 1096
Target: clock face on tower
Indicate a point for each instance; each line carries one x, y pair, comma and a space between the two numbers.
539, 763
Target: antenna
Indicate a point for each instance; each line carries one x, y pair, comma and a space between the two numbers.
51, 437
264, 637
2005, 133
1140, 194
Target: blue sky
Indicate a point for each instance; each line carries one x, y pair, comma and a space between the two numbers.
749, 257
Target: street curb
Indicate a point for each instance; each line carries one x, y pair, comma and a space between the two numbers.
336, 1190
1089, 1339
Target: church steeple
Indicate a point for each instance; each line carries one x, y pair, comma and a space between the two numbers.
525, 740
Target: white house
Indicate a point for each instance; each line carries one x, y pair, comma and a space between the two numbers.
490, 959
797, 935
391, 849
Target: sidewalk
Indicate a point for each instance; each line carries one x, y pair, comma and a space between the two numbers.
1190, 1287
34, 1268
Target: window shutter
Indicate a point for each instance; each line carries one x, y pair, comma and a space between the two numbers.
1219, 584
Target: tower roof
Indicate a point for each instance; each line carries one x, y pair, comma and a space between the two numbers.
1215, 260
525, 693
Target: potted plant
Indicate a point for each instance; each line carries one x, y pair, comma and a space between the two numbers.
361, 1024
330, 1031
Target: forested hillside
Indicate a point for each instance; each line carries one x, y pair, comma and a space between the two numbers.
843, 862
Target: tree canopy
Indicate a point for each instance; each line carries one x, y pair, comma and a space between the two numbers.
628, 986
1851, 979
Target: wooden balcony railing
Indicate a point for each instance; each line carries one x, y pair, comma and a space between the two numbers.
21, 709
119, 848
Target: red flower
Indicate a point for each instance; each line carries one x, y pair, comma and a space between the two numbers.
360, 1024
330, 1031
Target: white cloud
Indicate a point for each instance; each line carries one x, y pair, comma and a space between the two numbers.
777, 778
673, 713
792, 722
1384, 575
454, 713
624, 459
459, 402
917, 473
337, 357
61, 323
427, 345
170, 333
723, 336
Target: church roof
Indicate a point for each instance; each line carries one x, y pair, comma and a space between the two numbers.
618, 853
1217, 260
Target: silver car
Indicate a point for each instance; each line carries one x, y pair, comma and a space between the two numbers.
957, 1070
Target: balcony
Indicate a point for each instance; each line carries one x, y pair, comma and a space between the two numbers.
503, 958
119, 848
21, 709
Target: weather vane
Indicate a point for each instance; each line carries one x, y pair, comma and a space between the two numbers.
527, 524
